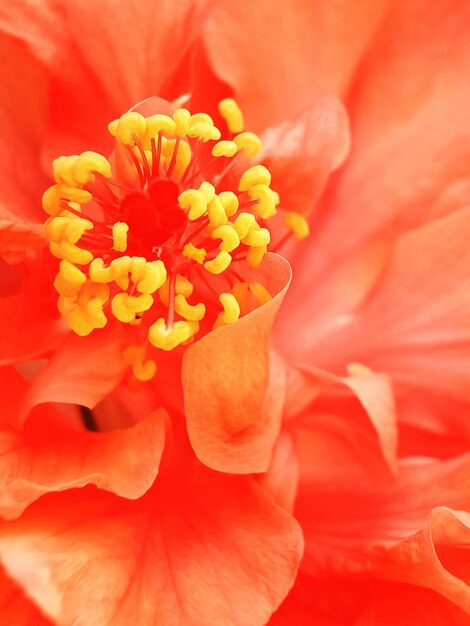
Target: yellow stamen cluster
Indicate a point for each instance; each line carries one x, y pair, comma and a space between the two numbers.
102, 274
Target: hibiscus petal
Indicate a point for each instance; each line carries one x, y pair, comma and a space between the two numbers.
22, 122
324, 392
410, 127
283, 473
213, 550
83, 370
404, 533
26, 304
410, 606
414, 325
50, 454
17, 237
233, 390
275, 64
15, 608
302, 152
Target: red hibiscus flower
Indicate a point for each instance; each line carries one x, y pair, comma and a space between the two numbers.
373, 333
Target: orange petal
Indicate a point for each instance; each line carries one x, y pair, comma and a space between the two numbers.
208, 550
324, 394
233, 390
49, 454
282, 476
414, 324
16, 608
301, 153
408, 109
82, 371
282, 54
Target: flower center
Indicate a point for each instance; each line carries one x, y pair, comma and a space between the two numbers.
158, 236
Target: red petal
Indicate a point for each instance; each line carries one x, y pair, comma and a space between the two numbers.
208, 550
410, 606
22, 125
403, 533
233, 391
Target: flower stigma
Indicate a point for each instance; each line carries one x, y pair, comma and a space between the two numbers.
158, 236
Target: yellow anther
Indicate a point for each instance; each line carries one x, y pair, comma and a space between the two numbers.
232, 114
137, 268
182, 285
120, 268
207, 190
255, 256
75, 229
243, 224
75, 194
159, 123
183, 155
240, 292
52, 200
201, 117
229, 201
204, 132
54, 228
71, 274
79, 321
63, 167
257, 238
182, 118
219, 264
297, 224
120, 230
134, 356
231, 308
155, 277
66, 288
267, 206
139, 304
65, 304
225, 149
194, 201
196, 254
260, 293
216, 212
169, 338
256, 175
93, 290
229, 236
95, 313
249, 143
193, 313
98, 272
88, 164
144, 371
125, 307
74, 254
128, 127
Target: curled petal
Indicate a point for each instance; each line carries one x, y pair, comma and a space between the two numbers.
233, 389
